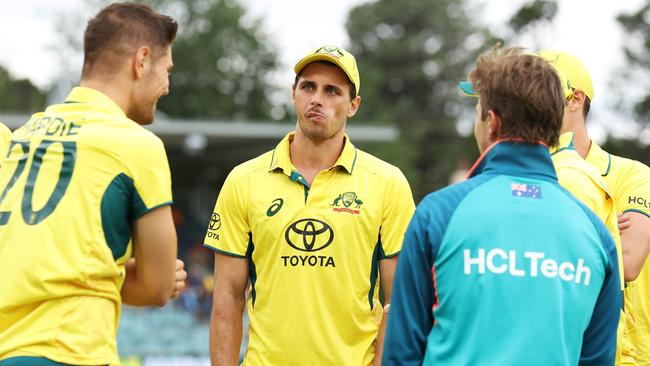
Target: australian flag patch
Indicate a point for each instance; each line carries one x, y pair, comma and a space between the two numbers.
526, 190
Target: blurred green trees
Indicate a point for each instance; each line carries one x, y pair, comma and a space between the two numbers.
533, 13
637, 51
412, 55
223, 62
19, 95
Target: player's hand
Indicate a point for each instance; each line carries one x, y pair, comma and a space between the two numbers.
179, 279
623, 221
381, 334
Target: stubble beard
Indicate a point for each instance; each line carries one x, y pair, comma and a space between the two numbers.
143, 115
316, 133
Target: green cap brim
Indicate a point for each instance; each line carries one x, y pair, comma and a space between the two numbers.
467, 88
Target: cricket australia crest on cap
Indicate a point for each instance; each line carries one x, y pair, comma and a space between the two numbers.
332, 50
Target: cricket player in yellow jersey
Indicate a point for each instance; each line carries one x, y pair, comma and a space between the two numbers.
5, 140
314, 226
583, 181
628, 181
85, 188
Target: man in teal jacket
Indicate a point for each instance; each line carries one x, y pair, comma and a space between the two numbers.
506, 268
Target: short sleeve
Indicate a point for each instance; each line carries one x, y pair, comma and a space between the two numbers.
228, 229
398, 209
633, 189
149, 169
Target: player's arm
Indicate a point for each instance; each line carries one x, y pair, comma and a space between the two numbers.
635, 240
228, 302
151, 278
411, 319
398, 211
387, 273
229, 236
599, 339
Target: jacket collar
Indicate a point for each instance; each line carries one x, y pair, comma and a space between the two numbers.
517, 158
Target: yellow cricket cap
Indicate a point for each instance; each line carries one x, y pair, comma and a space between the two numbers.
336, 55
570, 69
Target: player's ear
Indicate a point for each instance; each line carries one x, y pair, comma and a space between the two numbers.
141, 62
494, 125
354, 106
577, 102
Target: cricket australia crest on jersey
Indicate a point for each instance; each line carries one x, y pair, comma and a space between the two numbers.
347, 202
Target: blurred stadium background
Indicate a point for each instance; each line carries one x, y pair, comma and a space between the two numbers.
226, 106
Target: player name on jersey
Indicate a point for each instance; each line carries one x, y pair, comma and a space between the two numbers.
530, 264
49, 126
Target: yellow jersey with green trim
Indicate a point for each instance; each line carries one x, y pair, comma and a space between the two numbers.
5, 140
76, 178
313, 252
583, 180
629, 181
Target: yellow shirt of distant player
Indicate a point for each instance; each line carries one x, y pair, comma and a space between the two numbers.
629, 182
583, 180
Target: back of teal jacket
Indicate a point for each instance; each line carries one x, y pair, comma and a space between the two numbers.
506, 268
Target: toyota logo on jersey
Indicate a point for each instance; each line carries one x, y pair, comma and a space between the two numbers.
309, 235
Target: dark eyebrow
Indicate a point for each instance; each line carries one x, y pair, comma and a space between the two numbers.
307, 82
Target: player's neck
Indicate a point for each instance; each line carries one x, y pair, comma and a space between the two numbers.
311, 157
581, 140
114, 90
